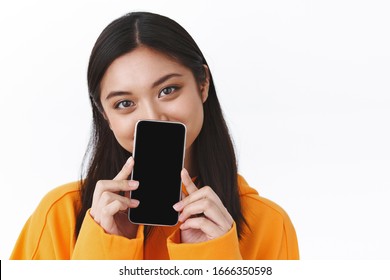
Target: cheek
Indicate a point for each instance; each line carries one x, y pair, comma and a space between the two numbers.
123, 129
193, 128
192, 116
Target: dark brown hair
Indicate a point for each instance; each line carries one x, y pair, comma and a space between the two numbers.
214, 155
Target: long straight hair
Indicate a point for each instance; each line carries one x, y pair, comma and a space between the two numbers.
214, 155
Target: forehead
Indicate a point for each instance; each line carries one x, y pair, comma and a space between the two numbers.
141, 66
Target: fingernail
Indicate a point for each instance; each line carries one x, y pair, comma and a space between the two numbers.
129, 159
177, 206
135, 202
133, 183
188, 174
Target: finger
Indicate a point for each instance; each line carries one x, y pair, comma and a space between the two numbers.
208, 209
190, 187
133, 203
109, 197
114, 186
187, 181
117, 206
177, 206
206, 226
108, 212
205, 192
126, 170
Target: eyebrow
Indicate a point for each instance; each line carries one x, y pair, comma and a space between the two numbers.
156, 83
165, 78
117, 93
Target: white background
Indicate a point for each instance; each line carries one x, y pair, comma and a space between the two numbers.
304, 86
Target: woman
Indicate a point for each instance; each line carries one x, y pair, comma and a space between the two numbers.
146, 66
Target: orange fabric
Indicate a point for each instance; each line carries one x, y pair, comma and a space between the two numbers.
49, 234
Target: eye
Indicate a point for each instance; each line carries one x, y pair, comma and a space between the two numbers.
124, 104
167, 91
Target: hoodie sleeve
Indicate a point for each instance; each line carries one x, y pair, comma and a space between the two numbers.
49, 233
93, 243
225, 247
269, 234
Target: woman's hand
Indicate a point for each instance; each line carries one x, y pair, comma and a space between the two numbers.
109, 207
203, 215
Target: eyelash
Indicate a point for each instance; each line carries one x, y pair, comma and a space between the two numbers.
121, 102
173, 88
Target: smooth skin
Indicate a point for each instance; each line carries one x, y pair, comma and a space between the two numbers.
146, 84
203, 215
109, 208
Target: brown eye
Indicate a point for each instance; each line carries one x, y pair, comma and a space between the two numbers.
124, 104
167, 91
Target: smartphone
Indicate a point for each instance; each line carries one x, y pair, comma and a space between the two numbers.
158, 152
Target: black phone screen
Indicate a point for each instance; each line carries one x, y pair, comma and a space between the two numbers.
158, 160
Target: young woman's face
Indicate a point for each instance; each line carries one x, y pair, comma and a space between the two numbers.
146, 84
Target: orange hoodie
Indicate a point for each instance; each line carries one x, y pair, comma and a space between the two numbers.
49, 234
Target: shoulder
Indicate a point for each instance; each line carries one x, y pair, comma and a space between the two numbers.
258, 206
271, 233
64, 191
63, 197
56, 211
50, 228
